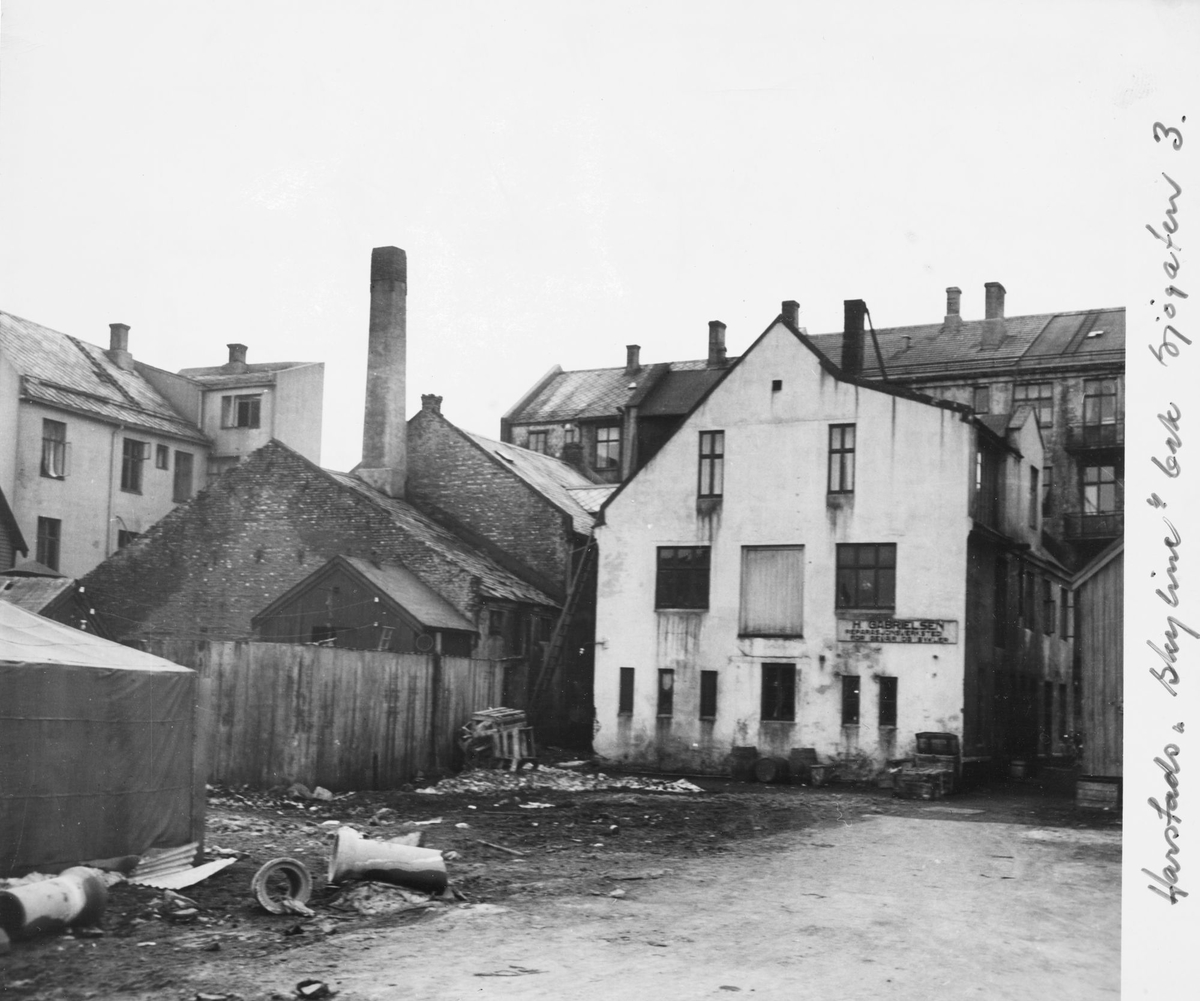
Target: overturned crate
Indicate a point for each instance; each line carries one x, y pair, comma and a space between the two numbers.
934, 771
498, 738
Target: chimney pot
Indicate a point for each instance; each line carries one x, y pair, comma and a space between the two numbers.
716, 343
237, 354
791, 312
632, 355
431, 404
953, 301
853, 312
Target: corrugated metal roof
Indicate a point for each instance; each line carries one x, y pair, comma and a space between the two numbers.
412, 594
62, 371
1042, 336
549, 476
495, 581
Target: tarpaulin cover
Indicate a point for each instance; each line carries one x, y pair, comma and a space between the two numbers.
95, 746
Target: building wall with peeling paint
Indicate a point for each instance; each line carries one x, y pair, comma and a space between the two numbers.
914, 468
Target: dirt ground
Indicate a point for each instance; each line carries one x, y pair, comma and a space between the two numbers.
558, 889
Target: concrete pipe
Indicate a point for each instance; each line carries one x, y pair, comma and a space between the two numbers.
354, 857
77, 897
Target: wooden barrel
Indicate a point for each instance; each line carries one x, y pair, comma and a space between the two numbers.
772, 770
741, 763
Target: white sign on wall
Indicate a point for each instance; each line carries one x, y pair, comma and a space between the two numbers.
885, 630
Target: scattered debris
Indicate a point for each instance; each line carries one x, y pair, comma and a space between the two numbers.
373, 899
164, 861
484, 780
181, 878
176, 907
644, 874
299, 887
512, 971
313, 989
511, 851
536, 806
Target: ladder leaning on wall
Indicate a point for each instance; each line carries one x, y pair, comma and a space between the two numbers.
558, 639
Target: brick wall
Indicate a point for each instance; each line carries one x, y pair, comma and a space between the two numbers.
448, 472
210, 565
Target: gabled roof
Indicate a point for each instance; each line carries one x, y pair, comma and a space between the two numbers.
1039, 340
888, 389
64, 372
494, 580
666, 388
409, 595
552, 478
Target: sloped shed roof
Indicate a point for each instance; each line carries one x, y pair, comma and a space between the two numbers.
408, 591
26, 638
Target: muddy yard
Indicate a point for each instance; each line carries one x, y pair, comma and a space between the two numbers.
533, 849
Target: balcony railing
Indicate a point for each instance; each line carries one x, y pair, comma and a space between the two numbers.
1096, 436
1095, 526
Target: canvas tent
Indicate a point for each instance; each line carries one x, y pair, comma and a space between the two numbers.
96, 747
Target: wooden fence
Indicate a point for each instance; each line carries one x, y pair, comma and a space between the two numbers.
342, 719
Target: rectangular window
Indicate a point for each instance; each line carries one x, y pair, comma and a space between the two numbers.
779, 692
708, 694
625, 693
125, 537
666, 692
712, 463
49, 539
1064, 623
866, 575
1035, 496
1062, 710
1047, 490
1049, 608
772, 591
183, 477
537, 441
1039, 396
1028, 599
1100, 490
162, 457
1099, 402
841, 458
570, 434
988, 487
887, 701
241, 411
981, 399
608, 446
850, 699
134, 453
54, 449
682, 580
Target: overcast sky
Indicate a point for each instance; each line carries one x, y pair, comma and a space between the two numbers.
566, 178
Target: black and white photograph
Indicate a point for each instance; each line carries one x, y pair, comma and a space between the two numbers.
546, 500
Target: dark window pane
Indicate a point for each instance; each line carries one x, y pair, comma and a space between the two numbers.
850, 699
666, 693
887, 701
708, 694
779, 692
625, 697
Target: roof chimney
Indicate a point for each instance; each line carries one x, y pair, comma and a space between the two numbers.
237, 358
953, 306
791, 312
632, 351
431, 404
854, 310
716, 344
993, 315
118, 346
385, 450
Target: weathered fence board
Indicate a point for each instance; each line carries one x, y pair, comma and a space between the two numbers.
343, 719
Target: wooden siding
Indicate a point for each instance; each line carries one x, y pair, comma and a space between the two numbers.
1101, 638
342, 719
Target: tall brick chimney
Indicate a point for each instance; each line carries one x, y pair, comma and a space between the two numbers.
853, 312
118, 346
632, 357
791, 312
385, 448
993, 315
716, 344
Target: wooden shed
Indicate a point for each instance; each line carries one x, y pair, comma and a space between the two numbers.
1099, 645
357, 604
